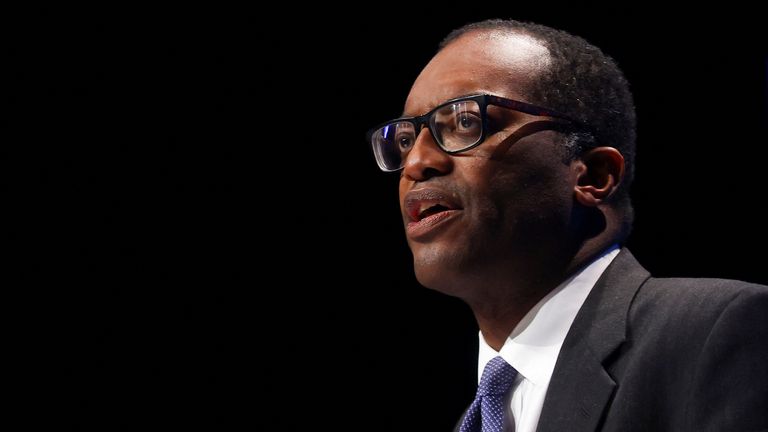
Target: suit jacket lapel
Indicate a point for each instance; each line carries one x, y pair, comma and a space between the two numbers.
581, 389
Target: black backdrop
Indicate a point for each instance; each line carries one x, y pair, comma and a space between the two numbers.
202, 239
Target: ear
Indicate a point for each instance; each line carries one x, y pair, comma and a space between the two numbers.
599, 174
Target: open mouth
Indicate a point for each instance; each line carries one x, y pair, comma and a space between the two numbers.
429, 210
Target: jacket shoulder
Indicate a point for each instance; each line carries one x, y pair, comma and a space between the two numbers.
707, 340
693, 299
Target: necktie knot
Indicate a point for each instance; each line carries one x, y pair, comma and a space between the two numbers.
497, 377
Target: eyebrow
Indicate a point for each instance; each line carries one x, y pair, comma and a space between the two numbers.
433, 107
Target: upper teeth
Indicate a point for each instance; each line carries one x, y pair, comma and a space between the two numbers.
425, 206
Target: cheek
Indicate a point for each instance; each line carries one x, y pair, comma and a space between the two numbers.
488, 189
505, 195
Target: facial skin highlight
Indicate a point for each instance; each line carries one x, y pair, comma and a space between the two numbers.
514, 212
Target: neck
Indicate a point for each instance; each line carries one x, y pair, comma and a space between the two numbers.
496, 323
498, 309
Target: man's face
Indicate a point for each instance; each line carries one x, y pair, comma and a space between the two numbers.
478, 216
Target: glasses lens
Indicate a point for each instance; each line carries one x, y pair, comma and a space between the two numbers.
458, 125
392, 143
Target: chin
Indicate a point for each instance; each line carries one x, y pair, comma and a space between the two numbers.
436, 277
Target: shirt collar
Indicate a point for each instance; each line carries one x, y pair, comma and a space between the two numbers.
533, 346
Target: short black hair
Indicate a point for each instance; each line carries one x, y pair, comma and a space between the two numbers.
584, 83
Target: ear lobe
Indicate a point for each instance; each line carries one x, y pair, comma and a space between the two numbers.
599, 175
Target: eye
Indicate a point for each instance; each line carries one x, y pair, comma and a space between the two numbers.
466, 121
404, 141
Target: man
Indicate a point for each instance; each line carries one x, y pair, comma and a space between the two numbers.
515, 153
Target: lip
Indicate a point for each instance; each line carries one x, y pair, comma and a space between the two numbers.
419, 221
423, 228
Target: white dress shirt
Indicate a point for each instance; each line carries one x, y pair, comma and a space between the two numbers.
533, 346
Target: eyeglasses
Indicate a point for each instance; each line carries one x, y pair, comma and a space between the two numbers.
456, 125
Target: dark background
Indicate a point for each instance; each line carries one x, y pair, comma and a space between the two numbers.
201, 239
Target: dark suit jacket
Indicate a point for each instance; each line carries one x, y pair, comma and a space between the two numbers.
647, 354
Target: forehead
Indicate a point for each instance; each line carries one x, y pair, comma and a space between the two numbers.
503, 64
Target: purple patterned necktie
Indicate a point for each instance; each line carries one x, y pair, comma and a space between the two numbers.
486, 414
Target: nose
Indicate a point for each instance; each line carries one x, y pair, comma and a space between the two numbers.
426, 159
